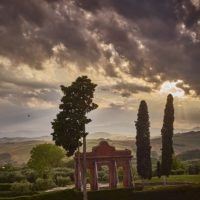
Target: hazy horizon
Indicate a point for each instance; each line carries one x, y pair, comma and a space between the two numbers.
156, 133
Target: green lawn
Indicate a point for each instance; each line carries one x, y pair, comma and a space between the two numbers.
195, 179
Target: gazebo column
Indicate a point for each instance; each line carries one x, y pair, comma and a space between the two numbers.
94, 176
127, 177
77, 174
113, 174
132, 183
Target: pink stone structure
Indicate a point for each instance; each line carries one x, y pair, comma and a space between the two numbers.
104, 154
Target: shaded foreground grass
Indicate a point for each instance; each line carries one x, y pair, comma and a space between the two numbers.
180, 178
174, 179
164, 193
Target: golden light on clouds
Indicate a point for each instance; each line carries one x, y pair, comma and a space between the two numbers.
171, 87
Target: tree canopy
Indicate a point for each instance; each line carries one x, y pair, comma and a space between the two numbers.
69, 125
44, 157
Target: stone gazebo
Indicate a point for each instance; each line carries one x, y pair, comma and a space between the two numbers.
104, 154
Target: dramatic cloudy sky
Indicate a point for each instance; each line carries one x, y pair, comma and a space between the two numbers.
133, 50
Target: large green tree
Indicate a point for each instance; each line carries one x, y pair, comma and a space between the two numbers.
44, 157
167, 136
143, 151
69, 126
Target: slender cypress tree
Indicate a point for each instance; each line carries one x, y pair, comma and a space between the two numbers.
167, 135
143, 152
158, 169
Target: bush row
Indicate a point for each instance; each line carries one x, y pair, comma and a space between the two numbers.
31, 175
27, 187
40, 184
11, 176
5, 186
62, 181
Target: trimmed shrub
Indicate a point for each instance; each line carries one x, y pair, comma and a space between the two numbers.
70, 164
5, 187
11, 176
178, 172
44, 184
139, 187
30, 174
64, 172
120, 174
103, 176
22, 187
62, 181
194, 169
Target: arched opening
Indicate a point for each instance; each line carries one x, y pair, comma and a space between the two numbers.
103, 176
89, 178
120, 174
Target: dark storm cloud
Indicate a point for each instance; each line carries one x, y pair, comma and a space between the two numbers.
188, 12
126, 89
30, 30
13, 27
171, 55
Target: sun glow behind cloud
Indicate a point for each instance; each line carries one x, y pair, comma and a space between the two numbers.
171, 87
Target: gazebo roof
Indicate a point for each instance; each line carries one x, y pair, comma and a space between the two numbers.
105, 150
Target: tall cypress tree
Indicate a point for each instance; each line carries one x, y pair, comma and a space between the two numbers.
143, 152
158, 169
167, 135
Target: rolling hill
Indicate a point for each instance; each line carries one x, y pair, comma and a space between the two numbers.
18, 150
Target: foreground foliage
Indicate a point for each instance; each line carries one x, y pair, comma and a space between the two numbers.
166, 193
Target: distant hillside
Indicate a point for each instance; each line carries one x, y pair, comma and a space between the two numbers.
104, 135
190, 155
18, 149
98, 135
23, 139
196, 128
182, 142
